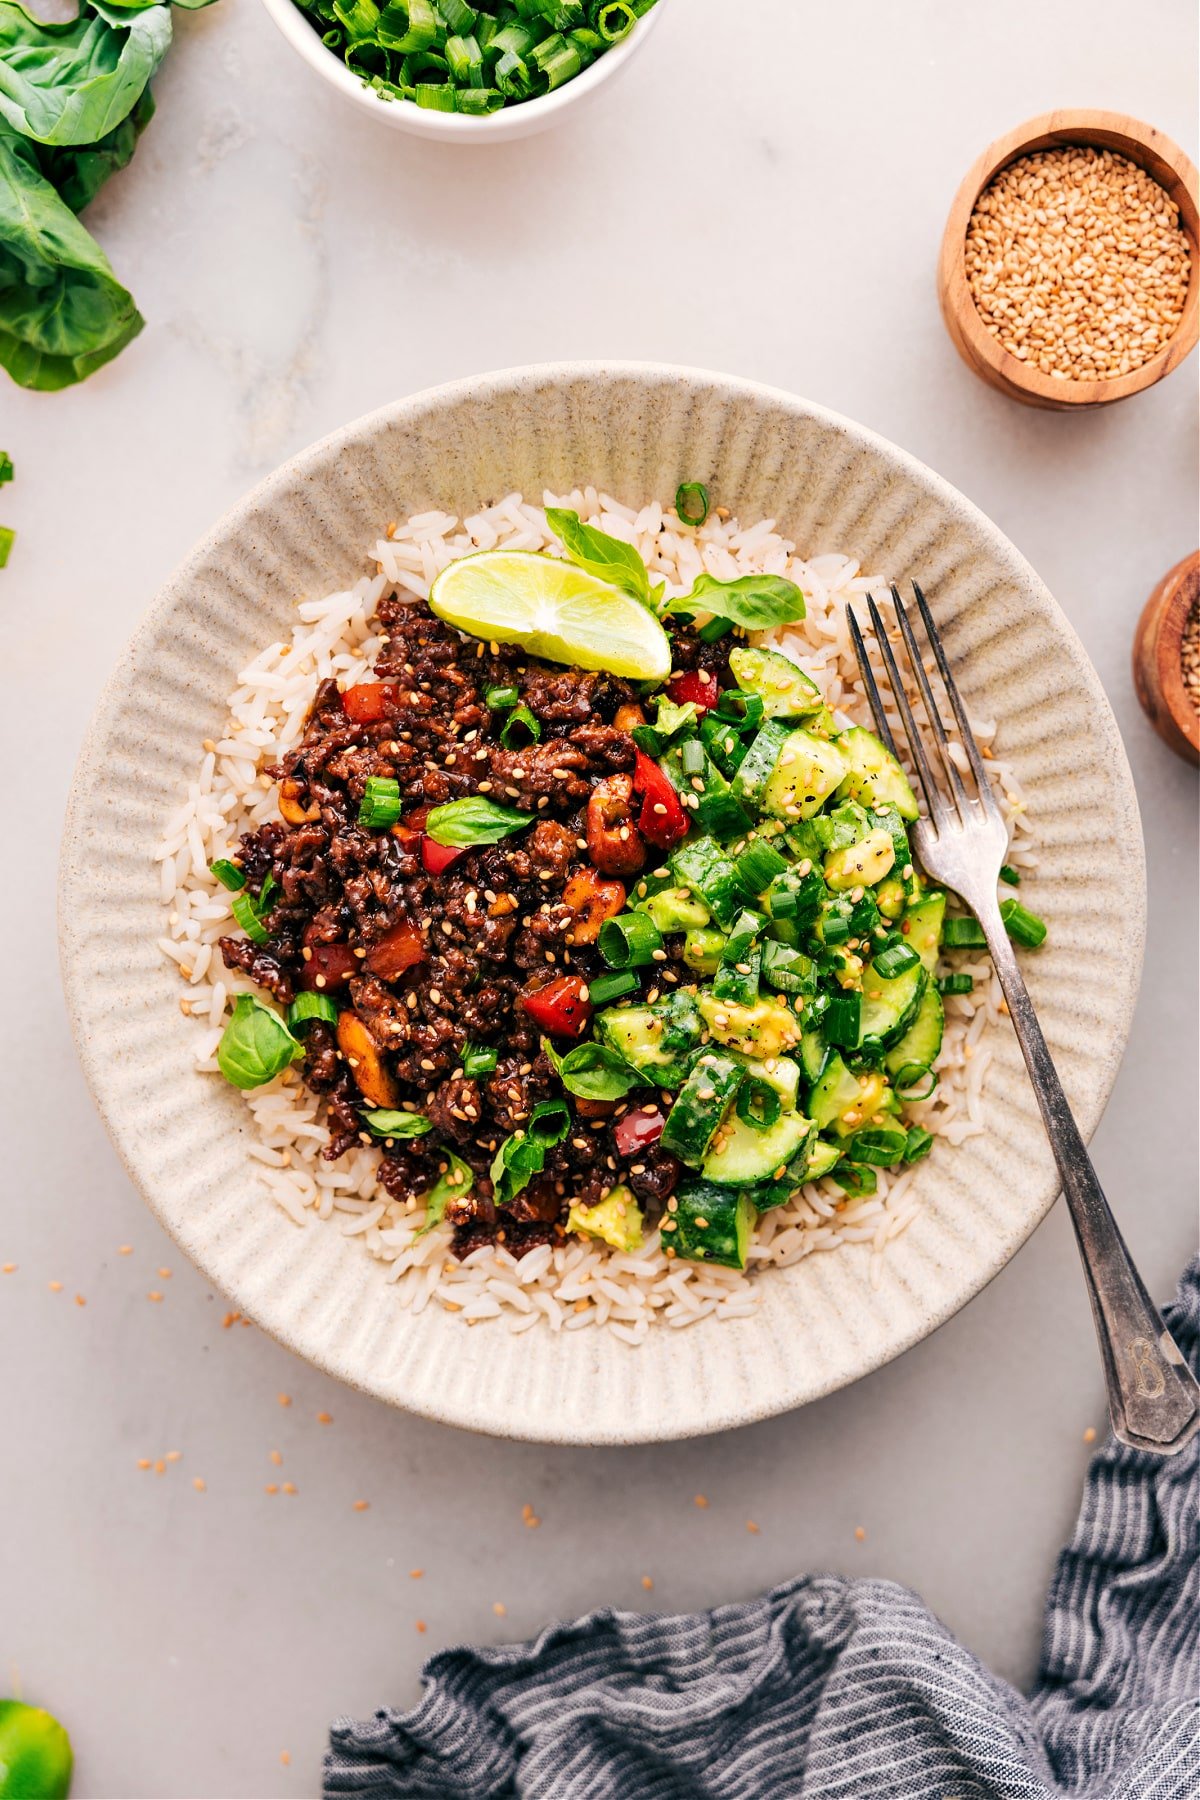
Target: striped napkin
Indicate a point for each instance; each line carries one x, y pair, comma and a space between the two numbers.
833, 1689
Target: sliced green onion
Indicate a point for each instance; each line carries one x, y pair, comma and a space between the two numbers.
758, 1104
499, 699
460, 18
955, 984
629, 940
464, 59
514, 36
478, 1059
436, 98
1011, 875
245, 911
228, 874
691, 502
842, 1023
894, 960
424, 68
963, 934
920, 1143
407, 25
558, 60
309, 1006
758, 865
855, 1179
479, 100
914, 1083
528, 731
588, 43
6, 467
881, 1146
380, 802
788, 970
603, 988
549, 1122
835, 927
1022, 926
615, 21
717, 627
8, 538
692, 757
512, 76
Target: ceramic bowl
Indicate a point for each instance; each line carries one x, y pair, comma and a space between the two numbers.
635, 430
457, 128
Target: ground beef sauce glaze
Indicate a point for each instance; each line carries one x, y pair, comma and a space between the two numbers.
431, 949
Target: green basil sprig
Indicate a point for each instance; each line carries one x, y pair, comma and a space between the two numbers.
523, 1155
388, 1124
605, 557
455, 1183
475, 820
594, 1072
256, 1045
755, 602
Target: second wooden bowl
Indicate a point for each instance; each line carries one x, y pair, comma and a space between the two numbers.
985, 354
1158, 658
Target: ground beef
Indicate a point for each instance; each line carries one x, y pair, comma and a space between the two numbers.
433, 962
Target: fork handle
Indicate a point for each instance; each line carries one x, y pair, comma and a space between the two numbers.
1153, 1398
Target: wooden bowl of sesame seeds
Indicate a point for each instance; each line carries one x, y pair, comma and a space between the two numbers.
1070, 266
1166, 658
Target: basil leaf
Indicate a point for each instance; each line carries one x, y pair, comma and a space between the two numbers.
256, 1044
455, 1184
73, 83
63, 313
79, 171
523, 1155
756, 602
594, 1072
387, 1124
605, 557
475, 820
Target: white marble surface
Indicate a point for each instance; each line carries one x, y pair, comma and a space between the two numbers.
297, 266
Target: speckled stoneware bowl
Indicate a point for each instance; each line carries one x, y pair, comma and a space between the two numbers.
634, 430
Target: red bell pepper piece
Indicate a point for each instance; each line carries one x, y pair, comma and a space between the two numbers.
329, 966
397, 950
560, 1007
438, 857
370, 701
662, 821
638, 1130
696, 685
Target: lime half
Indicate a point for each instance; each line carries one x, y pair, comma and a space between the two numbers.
554, 610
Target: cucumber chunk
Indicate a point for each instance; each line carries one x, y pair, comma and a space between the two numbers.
658, 1039
616, 1221
813, 1052
740, 1154
839, 1091
710, 1224
925, 921
889, 1007
700, 1105
674, 909
786, 691
822, 1157
874, 776
807, 771
754, 770
918, 1048
783, 1075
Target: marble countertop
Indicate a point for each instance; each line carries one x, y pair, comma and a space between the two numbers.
297, 266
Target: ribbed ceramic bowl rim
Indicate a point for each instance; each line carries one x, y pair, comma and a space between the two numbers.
408, 411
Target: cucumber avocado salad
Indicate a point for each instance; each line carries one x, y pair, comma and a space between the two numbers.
815, 1015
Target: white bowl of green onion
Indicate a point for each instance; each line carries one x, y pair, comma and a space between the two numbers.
466, 70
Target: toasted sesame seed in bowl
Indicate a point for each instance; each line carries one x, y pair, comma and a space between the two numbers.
1070, 271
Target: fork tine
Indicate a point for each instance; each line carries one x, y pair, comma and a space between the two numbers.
933, 798
960, 712
868, 675
931, 706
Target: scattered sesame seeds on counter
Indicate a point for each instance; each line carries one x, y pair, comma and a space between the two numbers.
1077, 263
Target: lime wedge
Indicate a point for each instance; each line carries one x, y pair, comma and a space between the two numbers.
555, 610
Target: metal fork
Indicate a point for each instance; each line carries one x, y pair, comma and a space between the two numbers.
1153, 1398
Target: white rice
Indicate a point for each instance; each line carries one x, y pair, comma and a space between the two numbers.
579, 1283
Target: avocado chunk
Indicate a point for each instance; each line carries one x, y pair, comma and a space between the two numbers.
862, 864
616, 1221
806, 772
786, 691
767, 1028
874, 776
675, 909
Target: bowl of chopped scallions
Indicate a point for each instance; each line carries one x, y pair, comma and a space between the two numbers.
465, 70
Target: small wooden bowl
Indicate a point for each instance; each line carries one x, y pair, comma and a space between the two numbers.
1157, 653
982, 352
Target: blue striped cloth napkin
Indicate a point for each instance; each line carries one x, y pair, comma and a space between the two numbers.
833, 1689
